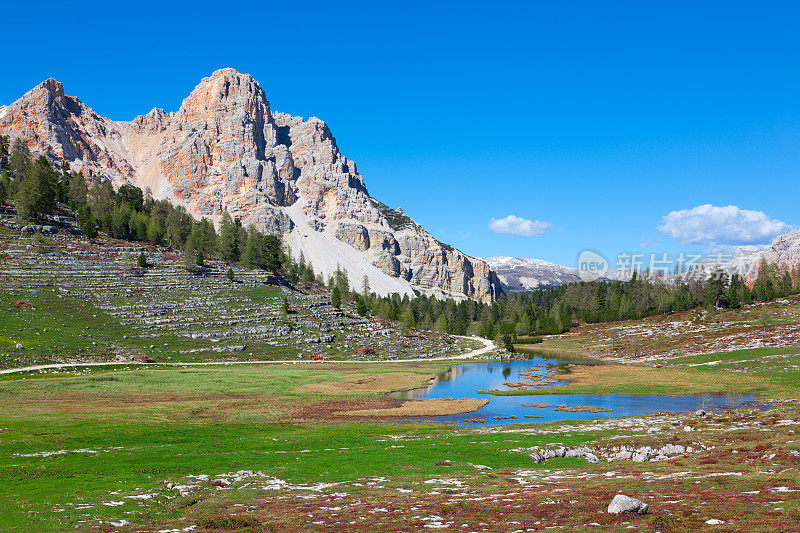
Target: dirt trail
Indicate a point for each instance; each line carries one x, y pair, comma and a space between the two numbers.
487, 347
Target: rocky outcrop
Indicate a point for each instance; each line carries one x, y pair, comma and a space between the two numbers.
226, 150
784, 252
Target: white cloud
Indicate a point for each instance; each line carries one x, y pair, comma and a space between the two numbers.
515, 225
709, 225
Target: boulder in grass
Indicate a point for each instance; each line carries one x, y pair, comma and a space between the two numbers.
23, 304
626, 504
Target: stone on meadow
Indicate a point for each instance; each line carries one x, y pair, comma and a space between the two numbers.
626, 504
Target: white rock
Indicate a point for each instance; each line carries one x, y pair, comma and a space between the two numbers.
626, 504
715, 522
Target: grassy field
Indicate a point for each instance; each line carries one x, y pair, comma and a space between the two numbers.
262, 449
73, 445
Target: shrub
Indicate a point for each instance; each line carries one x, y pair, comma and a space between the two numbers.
228, 522
42, 244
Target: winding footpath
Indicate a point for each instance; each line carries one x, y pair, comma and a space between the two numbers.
488, 346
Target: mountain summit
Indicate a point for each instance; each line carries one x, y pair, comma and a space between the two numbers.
226, 150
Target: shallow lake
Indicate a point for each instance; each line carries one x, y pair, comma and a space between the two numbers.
465, 380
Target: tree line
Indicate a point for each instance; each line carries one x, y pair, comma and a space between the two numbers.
554, 310
37, 189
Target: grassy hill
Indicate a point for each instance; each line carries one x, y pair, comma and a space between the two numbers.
70, 299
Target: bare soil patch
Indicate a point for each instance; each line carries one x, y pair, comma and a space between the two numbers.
438, 407
366, 383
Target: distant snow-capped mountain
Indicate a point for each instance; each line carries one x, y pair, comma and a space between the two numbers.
520, 274
523, 274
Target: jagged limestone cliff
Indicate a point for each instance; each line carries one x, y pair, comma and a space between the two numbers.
226, 150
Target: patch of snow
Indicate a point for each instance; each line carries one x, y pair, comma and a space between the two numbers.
455, 482
143, 496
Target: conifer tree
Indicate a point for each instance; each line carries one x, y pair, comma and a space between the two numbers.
228, 236
37, 192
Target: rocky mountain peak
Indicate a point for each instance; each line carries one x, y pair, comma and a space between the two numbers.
225, 150
50, 86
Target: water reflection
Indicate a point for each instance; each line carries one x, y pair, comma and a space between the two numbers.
465, 380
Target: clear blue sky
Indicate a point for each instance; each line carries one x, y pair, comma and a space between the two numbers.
599, 118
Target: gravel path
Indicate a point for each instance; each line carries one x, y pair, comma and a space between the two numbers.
487, 347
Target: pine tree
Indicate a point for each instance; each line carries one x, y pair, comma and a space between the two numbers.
441, 324
38, 190
336, 298
733, 292
78, 193
716, 288
190, 256
365, 285
20, 159
5, 144
307, 274
361, 306
262, 251
342, 282
407, 317
228, 236
88, 225
63, 183
155, 232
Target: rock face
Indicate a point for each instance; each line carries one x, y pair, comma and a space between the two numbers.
783, 252
226, 150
